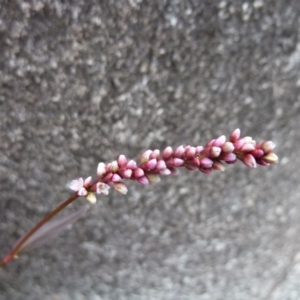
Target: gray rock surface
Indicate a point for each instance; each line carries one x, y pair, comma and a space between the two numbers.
84, 81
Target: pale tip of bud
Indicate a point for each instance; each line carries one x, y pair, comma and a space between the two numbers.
101, 169
227, 147
268, 146
215, 151
91, 197
122, 161
145, 156
167, 153
114, 167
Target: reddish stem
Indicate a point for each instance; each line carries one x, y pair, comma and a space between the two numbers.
14, 252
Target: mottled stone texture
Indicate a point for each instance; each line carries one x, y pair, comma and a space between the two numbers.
83, 81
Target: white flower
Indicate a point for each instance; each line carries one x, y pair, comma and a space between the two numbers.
102, 188
77, 185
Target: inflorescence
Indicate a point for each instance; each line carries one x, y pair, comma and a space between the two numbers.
154, 164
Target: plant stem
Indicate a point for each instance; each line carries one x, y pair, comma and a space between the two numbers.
14, 252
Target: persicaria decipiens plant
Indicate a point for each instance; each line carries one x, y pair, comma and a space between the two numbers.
153, 165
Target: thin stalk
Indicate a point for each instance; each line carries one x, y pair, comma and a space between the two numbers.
14, 252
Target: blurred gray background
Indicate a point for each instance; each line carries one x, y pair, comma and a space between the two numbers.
84, 81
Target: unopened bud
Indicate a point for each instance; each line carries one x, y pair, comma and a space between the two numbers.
153, 178
249, 161
268, 146
270, 158
101, 170
91, 197
121, 187
235, 135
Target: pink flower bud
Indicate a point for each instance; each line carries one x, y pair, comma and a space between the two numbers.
143, 180
205, 152
238, 144
270, 158
235, 135
155, 154
151, 164
219, 141
122, 161
114, 167
116, 178
247, 147
121, 187
153, 178
257, 153
190, 152
227, 147
107, 177
167, 153
161, 165
87, 182
205, 162
131, 165
175, 162
199, 149
179, 151
215, 152
218, 166
101, 170
195, 162
210, 143
229, 157
138, 172
249, 161
145, 156
268, 146
126, 173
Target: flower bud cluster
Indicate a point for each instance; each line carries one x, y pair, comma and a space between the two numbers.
154, 164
